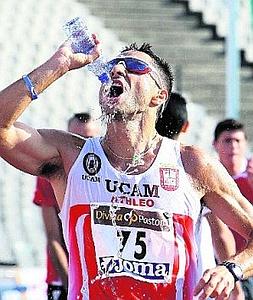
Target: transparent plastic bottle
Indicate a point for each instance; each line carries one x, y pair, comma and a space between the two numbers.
82, 42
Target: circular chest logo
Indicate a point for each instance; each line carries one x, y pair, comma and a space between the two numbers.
91, 163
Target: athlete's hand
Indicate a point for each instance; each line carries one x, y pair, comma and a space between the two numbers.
216, 283
73, 60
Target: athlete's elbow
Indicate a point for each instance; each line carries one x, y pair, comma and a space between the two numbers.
5, 139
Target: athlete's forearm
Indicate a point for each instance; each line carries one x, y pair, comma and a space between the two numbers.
15, 98
222, 237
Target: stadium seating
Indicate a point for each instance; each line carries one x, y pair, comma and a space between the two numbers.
215, 12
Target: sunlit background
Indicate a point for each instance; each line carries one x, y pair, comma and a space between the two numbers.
209, 44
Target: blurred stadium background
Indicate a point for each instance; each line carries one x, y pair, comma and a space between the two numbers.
190, 34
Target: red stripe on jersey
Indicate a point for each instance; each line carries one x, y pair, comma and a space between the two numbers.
75, 268
190, 253
176, 258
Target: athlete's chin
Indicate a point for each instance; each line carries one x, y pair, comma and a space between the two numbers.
120, 114
110, 104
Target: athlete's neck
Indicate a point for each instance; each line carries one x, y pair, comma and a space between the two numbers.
129, 148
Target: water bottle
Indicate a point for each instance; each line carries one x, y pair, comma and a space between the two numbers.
82, 42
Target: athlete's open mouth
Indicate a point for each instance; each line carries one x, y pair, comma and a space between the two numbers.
116, 90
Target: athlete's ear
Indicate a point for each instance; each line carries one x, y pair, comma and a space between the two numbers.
159, 98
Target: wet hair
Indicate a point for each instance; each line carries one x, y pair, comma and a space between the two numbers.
163, 67
228, 125
82, 117
172, 117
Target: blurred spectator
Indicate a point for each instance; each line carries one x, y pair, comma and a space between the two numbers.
84, 125
230, 142
172, 122
57, 255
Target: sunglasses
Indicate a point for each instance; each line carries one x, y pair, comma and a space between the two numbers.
135, 66
132, 65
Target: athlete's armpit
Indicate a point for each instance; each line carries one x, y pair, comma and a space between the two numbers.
50, 169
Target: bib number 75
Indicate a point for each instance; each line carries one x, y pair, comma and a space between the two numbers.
140, 245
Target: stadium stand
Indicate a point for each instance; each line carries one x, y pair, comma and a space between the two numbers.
215, 12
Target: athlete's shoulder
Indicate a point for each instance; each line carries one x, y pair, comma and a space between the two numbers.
61, 138
194, 156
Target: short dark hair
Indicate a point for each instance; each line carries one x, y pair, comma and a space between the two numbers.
172, 117
82, 117
228, 125
163, 67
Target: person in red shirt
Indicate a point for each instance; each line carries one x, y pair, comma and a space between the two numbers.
245, 184
247, 190
57, 255
230, 142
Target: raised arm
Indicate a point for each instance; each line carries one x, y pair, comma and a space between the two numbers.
223, 197
21, 145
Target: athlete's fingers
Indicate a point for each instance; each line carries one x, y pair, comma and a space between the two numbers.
224, 295
211, 288
202, 282
216, 283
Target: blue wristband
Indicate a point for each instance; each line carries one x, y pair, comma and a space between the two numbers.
29, 85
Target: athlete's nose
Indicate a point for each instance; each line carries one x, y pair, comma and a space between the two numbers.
119, 69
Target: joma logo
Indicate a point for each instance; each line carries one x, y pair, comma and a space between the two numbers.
151, 271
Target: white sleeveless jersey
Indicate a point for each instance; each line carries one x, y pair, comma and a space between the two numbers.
130, 236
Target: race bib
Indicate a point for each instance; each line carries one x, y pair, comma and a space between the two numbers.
132, 242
